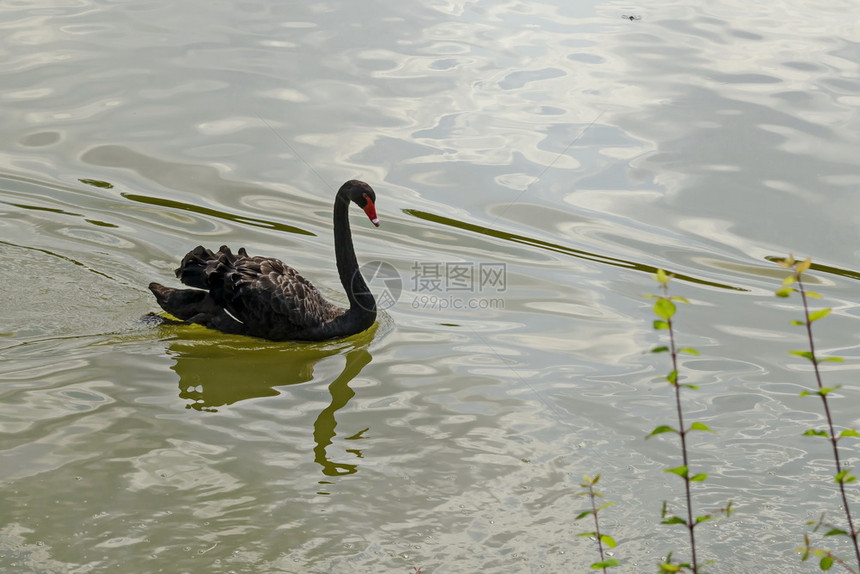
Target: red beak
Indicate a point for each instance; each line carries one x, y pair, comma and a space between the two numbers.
370, 210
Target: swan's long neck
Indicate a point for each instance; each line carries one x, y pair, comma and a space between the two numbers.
361, 301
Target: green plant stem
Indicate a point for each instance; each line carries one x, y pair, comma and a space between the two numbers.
592, 496
832, 433
683, 433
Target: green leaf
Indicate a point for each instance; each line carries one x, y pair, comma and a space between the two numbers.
661, 277
849, 432
690, 386
660, 430
698, 477
672, 377
804, 354
703, 518
583, 514
700, 426
608, 540
805, 549
813, 295
681, 471
798, 323
679, 299
662, 349
832, 360
826, 563
664, 308
674, 520
803, 265
820, 314
688, 350
607, 505
789, 280
660, 325
836, 532
583, 534
822, 392
813, 432
844, 476
666, 567
609, 563
785, 292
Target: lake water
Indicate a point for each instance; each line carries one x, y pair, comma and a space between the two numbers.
534, 163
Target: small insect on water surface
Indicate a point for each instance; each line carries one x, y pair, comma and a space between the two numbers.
630, 17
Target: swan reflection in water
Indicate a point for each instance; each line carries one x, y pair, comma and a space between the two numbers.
213, 376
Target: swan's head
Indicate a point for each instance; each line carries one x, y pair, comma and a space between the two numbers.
363, 196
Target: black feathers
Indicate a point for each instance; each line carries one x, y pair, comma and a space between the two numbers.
263, 297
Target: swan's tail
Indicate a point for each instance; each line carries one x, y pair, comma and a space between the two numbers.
196, 306
182, 303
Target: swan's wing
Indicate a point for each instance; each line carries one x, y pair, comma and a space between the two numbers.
263, 292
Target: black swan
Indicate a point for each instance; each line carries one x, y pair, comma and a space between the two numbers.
263, 297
